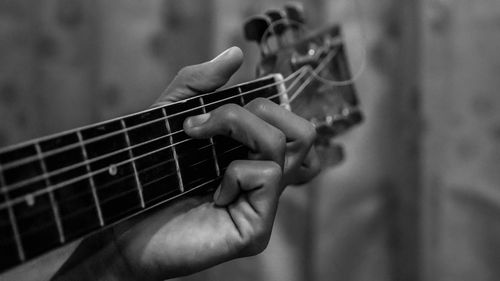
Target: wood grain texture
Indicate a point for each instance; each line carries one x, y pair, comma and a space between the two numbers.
460, 82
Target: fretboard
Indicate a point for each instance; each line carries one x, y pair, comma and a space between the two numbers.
63, 187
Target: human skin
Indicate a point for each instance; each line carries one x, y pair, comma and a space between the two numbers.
196, 233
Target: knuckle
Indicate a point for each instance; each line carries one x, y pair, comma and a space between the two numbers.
279, 141
276, 147
309, 135
229, 112
259, 106
233, 171
272, 171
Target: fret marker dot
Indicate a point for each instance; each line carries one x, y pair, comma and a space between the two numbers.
113, 170
30, 200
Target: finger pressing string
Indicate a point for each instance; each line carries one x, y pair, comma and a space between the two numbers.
104, 170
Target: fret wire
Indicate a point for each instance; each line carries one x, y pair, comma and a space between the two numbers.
12, 218
76, 179
37, 193
210, 180
82, 142
241, 96
137, 181
174, 151
17, 185
91, 180
68, 147
108, 184
55, 208
86, 162
191, 190
103, 170
211, 139
149, 207
145, 184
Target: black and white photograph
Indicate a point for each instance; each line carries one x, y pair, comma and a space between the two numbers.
264, 140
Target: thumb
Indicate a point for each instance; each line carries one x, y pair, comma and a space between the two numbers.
204, 77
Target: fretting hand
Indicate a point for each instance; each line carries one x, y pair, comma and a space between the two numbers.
196, 233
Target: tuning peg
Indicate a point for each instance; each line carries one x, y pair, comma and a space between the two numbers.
254, 30
277, 18
255, 27
353, 116
330, 154
279, 26
295, 13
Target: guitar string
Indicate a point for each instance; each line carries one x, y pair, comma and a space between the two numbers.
77, 145
21, 199
115, 196
62, 184
102, 137
131, 175
159, 164
139, 173
34, 179
87, 175
138, 211
334, 43
314, 72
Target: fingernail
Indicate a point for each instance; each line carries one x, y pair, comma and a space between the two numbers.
196, 121
217, 194
221, 55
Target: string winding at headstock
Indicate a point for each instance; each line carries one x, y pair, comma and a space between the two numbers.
316, 70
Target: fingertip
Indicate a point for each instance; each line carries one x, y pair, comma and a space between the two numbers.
217, 195
196, 121
227, 63
231, 53
236, 53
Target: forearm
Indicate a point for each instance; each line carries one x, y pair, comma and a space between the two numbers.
96, 258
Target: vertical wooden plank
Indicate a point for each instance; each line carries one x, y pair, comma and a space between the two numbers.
368, 205
406, 167
461, 147
438, 41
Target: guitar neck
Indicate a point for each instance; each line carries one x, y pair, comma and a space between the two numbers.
63, 187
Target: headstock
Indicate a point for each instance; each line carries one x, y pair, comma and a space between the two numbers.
316, 70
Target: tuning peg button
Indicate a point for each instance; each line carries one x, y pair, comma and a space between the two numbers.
295, 12
354, 117
329, 153
277, 18
255, 29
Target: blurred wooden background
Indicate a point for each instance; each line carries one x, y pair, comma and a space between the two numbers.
404, 205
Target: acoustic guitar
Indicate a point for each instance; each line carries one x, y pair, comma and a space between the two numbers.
63, 187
